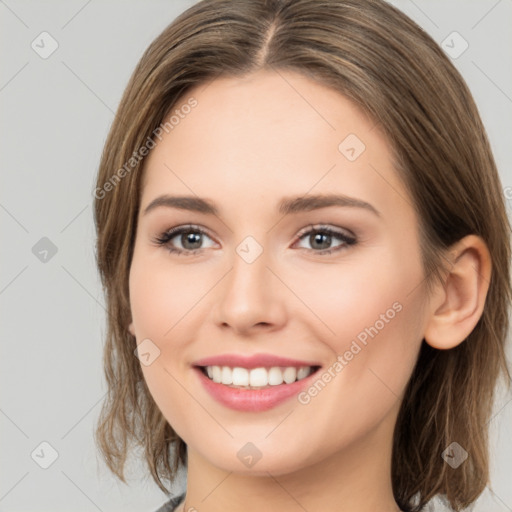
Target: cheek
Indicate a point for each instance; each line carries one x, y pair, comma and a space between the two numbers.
156, 311
163, 301
161, 296
352, 297
375, 346
370, 319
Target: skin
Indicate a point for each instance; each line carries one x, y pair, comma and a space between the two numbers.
249, 142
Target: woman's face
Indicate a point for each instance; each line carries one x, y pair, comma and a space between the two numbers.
265, 151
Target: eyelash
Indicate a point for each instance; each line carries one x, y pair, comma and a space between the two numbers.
167, 236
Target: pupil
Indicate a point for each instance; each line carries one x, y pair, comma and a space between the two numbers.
191, 238
318, 237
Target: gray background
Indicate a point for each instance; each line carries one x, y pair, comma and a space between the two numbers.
56, 113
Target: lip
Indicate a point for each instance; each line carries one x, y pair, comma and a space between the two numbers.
252, 361
252, 400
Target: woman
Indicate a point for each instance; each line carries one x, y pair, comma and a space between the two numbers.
353, 375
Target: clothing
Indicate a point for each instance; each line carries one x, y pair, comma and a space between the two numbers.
170, 506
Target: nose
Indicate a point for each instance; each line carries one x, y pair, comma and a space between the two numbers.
251, 297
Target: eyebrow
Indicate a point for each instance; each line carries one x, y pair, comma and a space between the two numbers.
286, 206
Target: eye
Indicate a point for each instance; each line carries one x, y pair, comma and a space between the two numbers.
321, 237
189, 239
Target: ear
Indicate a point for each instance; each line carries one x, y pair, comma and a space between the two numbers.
131, 329
457, 304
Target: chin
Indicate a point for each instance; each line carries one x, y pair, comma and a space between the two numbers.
260, 458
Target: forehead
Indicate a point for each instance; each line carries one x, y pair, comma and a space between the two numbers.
267, 133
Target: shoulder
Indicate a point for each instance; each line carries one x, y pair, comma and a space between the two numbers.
170, 505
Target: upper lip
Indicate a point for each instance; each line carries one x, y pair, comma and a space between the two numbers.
252, 361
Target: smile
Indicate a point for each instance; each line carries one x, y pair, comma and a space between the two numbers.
256, 377
253, 383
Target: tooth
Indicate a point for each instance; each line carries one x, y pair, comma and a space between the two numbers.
275, 376
240, 376
226, 375
258, 377
303, 372
289, 374
217, 374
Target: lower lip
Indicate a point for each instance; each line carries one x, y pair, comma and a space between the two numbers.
252, 400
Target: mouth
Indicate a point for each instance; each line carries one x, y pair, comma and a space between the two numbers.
257, 378
254, 383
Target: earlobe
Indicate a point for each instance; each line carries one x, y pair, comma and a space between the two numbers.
131, 329
458, 302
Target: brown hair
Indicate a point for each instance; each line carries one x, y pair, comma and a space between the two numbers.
377, 57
